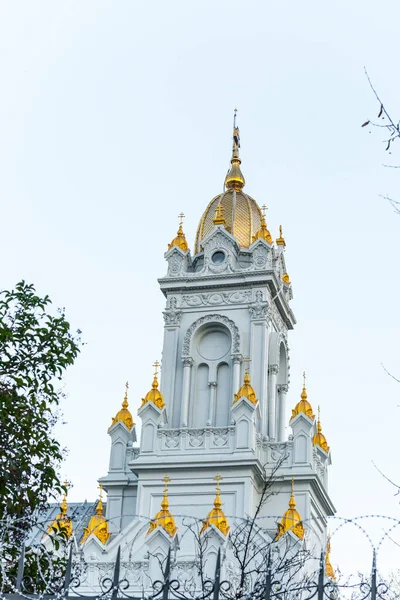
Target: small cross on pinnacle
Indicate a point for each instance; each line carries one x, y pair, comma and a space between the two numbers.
217, 478
247, 363
166, 480
304, 379
126, 389
264, 208
101, 491
181, 216
156, 364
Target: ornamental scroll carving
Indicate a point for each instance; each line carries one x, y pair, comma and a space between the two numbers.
259, 309
216, 298
171, 315
211, 319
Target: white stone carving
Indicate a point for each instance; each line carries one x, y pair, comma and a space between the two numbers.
214, 318
216, 298
196, 438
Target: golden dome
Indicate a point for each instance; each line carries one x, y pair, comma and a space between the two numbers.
263, 232
180, 239
246, 390
303, 406
291, 520
241, 212
164, 518
319, 439
123, 415
98, 524
62, 522
154, 395
216, 516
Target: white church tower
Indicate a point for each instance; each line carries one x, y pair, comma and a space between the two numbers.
221, 406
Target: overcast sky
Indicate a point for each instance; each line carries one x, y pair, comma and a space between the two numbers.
115, 116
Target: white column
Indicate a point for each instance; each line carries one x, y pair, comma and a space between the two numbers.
187, 371
213, 390
282, 391
236, 361
273, 374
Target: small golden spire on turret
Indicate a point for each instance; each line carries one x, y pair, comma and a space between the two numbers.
234, 179
98, 524
280, 240
319, 439
216, 516
219, 218
303, 406
123, 415
180, 239
62, 522
291, 520
329, 571
154, 395
263, 232
286, 278
246, 390
164, 518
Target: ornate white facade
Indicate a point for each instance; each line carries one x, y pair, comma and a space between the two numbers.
227, 309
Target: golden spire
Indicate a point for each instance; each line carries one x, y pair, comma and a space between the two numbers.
263, 232
219, 218
329, 572
98, 525
246, 390
123, 415
217, 516
154, 395
319, 439
164, 518
303, 406
291, 520
180, 239
62, 521
234, 179
280, 240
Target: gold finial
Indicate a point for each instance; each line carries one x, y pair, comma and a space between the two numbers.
98, 524
291, 520
154, 395
280, 240
329, 571
180, 239
219, 218
286, 278
319, 439
263, 232
217, 516
234, 179
62, 522
123, 415
303, 406
246, 391
164, 518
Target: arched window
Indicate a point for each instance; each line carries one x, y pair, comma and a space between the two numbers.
211, 386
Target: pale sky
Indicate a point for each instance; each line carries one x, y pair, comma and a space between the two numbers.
115, 116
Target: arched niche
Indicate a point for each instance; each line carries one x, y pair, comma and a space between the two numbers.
187, 349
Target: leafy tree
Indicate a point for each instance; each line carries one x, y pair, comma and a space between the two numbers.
36, 346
